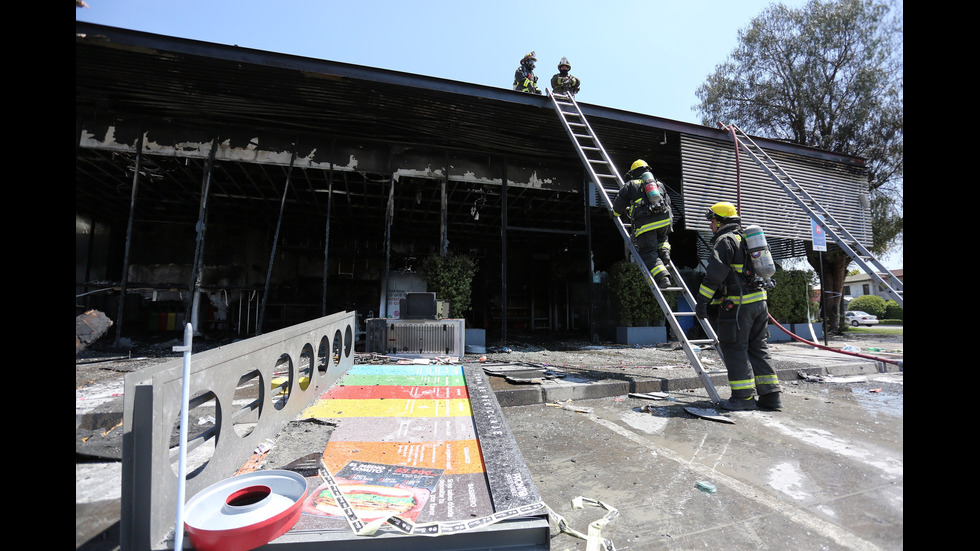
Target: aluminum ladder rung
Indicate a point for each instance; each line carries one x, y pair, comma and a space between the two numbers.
625, 231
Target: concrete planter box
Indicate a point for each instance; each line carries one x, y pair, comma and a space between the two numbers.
475, 341
641, 335
778, 335
803, 330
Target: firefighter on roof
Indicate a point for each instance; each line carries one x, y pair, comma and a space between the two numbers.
564, 83
524, 79
644, 199
742, 321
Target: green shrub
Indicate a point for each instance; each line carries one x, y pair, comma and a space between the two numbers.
633, 295
871, 304
893, 311
789, 300
450, 277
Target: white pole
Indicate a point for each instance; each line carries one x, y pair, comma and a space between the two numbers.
181, 465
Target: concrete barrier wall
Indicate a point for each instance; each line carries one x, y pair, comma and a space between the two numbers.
241, 395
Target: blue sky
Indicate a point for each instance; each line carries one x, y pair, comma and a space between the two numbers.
642, 56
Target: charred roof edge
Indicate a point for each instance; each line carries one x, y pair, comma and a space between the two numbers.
140, 39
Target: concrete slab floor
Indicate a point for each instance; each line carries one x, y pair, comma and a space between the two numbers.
825, 473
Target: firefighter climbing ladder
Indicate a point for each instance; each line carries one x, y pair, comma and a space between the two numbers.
608, 183
858, 253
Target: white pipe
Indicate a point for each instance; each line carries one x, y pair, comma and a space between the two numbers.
195, 304
181, 465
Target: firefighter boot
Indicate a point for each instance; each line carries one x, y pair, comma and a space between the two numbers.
770, 402
739, 404
663, 280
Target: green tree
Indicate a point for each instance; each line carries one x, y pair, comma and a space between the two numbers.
830, 76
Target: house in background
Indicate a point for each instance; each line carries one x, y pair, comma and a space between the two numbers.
861, 284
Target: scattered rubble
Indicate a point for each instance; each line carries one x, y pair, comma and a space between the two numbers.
89, 327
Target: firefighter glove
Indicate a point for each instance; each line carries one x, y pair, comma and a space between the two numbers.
701, 310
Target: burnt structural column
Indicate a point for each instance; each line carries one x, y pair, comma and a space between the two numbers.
444, 212
503, 251
326, 232
389, 219
124, 276
590, 322
275, 242
198, 264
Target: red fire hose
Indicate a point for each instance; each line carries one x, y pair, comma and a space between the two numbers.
848, 352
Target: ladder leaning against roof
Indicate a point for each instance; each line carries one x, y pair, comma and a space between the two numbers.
858, 253
608, 183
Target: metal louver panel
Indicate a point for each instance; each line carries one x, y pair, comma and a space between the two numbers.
416, 338
709, 176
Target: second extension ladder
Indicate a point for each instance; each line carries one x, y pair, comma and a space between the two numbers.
858, 253
608, 183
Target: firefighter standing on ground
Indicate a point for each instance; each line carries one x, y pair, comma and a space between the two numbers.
564, 83
524, 79
742, 321
645, 200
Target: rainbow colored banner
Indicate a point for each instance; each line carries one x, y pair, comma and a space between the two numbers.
409, 418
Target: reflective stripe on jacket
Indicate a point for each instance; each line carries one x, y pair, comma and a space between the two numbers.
725, 268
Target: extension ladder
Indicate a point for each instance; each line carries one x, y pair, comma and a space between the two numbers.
608, 183
858, 253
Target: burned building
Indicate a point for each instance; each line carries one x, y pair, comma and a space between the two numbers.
246, 191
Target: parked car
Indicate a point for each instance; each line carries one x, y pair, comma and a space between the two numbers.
857, 317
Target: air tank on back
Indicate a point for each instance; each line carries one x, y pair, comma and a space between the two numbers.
651, 190
762, 262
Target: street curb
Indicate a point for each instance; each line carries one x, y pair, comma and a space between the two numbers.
558, 391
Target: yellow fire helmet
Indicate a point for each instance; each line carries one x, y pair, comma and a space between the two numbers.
639, 163
723, 210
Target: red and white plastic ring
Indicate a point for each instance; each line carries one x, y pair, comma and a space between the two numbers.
245, 511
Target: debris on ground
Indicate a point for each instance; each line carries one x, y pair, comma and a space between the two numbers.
709, 414
567, 404
89, 327
830, 378
650, 395
706, 487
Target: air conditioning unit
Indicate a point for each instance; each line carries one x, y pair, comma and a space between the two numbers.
416, 338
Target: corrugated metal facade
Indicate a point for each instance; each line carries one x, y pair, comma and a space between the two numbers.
711, 173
